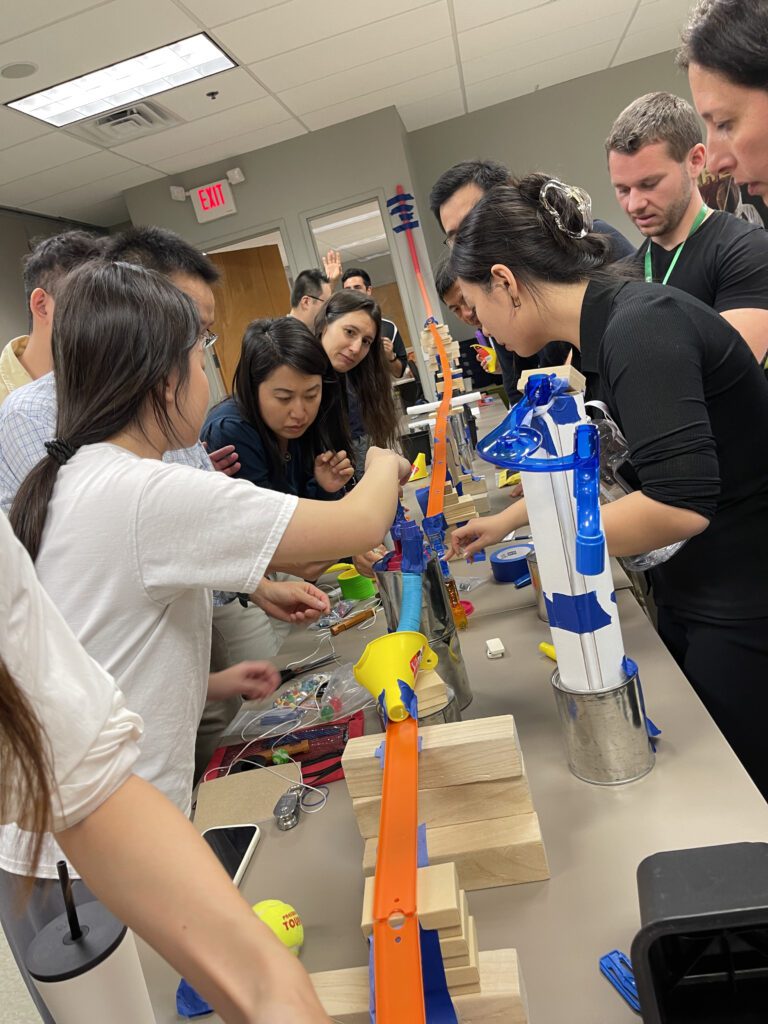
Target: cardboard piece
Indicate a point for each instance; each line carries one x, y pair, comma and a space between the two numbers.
245, 797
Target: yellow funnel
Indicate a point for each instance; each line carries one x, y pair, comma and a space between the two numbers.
419, 468
390, 660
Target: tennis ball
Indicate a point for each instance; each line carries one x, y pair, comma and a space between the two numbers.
284, 922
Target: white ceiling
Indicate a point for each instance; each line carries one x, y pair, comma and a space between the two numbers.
304, 65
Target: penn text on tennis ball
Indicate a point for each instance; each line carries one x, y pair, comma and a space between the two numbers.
284, 922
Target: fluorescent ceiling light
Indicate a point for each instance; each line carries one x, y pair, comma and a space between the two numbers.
127, 82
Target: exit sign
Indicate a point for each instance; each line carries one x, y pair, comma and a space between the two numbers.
213, 201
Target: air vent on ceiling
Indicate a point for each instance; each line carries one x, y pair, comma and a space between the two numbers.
125, 124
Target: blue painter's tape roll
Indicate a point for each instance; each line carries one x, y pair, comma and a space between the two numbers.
509, 564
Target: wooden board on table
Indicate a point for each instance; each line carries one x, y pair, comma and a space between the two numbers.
501, 1000
454, 805
501, 851
452, 754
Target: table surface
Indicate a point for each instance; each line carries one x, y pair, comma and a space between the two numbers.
697, 794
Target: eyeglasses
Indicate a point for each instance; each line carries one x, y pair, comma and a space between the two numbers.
208, 338
316, 298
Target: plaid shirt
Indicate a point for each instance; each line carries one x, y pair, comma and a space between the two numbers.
28, 420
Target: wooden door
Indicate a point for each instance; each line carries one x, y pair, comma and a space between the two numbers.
388, 298
253, 284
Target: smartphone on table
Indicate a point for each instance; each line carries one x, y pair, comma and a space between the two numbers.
234, 846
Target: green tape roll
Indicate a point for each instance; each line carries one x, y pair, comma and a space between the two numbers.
355, 587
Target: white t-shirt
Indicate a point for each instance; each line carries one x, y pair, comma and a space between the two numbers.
130, 550
92, 737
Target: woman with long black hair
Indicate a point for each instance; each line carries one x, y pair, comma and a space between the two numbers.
285, 416
349, 328
691, 401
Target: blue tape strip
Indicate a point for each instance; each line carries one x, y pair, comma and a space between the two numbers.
437, 1000
405, 227
564, 410
189, 1003
400, 197
629, 667
371, 982
422, 854
576, 614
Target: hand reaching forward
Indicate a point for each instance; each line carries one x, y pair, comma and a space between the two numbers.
291, 601
251, 680
333, 470
478, 534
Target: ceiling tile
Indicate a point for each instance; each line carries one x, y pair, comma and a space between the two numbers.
16, 128
245, 142
355, 48
553, 45
431, 110
225, 125
103, 35
43, 153
98, 191
190, 102
20, 18
530, 25
228, 10
645, 44
60, 179
407, 92
300, 23
471, 13
657, 12
379, 74
539, 76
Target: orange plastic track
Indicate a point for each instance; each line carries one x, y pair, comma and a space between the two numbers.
436, 497
399, 986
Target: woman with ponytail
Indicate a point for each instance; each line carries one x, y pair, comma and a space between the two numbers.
129, 547
691, 401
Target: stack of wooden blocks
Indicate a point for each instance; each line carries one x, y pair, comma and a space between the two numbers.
473, 501
481, 831
473, 798
433, 360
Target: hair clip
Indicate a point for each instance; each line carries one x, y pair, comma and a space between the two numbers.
568, 192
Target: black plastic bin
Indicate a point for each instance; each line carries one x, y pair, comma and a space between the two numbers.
701, 954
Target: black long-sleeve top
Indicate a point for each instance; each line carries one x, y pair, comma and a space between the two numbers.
692, 402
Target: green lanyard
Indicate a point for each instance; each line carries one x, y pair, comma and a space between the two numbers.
700, 216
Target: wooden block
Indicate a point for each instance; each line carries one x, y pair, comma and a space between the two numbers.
462, 975
459, 931
438, 900
453, 753
470, 486
503, 851
501, 999
454, 805
482, 504
452, 946
576, 381
429, 686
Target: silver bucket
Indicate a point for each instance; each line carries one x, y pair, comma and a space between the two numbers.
605, 732
436, 624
